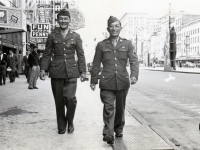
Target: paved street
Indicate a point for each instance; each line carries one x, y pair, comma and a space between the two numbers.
169, 101
28, 122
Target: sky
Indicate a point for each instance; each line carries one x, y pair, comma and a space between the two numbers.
97, 12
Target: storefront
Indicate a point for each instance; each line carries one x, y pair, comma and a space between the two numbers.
13, 32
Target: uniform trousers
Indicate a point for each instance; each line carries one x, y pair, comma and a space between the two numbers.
64, 91
114, 110
35, 71
2, 74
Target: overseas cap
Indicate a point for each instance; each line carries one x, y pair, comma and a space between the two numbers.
112, 19
63, 12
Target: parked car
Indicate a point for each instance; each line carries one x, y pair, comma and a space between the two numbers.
190, 65
198, 65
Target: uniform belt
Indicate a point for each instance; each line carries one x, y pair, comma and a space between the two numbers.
112, 71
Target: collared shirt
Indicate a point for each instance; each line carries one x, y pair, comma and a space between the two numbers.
64, 33
114, 42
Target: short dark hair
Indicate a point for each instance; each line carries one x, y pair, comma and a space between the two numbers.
63, 12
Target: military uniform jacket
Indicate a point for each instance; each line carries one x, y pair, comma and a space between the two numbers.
62, 51
114, 60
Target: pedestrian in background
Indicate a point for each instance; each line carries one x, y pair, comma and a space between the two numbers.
25, 64
33, 61
3, 63
12, 63
64, 69
114, 53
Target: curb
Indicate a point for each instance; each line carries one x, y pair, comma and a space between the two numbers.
142, 121
174, 71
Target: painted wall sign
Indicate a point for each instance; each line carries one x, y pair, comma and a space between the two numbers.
3, 16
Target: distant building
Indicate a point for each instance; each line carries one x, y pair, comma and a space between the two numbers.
150, 35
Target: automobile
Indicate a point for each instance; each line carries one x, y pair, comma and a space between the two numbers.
189, 65
159, 65
198, 65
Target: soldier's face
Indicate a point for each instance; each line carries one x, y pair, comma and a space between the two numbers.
63, 21
114, 29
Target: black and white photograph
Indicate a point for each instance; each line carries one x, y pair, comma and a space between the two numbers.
99, 74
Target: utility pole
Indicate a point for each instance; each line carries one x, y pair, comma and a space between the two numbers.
136, 43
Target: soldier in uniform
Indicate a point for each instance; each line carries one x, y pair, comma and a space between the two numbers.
64, 69
114, 53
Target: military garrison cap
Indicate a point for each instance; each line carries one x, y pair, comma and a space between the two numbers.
112, 19
63, 12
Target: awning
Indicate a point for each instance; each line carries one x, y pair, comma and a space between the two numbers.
8, 31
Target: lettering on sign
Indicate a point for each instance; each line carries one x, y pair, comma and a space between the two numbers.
40, 30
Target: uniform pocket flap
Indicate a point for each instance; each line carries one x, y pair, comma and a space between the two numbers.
106, 50
105, 76
72, 63
123, 49
53, 65
56, 41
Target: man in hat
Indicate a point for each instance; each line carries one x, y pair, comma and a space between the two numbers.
114, 53
3, 63
64, 70
33, 61
12, 63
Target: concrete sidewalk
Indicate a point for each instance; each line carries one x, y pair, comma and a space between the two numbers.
178, 69
28, 122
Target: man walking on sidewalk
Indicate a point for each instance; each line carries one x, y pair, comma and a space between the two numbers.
12, 63
33, 61
114, 53
64, 69
3, 63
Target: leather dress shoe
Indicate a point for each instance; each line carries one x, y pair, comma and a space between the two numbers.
35, 87
61, 131
70, 128
30, 88
119, 135
109, 139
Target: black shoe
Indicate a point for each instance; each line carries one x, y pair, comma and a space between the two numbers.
35, 87
110, 142
109, 139
70, 128
4, 83
119, 135
30, 88
61, 131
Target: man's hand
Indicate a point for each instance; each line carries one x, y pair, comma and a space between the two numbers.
42, 75
93, 86
133, 80
83, 77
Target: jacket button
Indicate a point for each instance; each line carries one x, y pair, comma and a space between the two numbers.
64, 54
115, 58
115, 64
63, 42
65, 60
103, 77
115, 71
64, 49
114, 51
